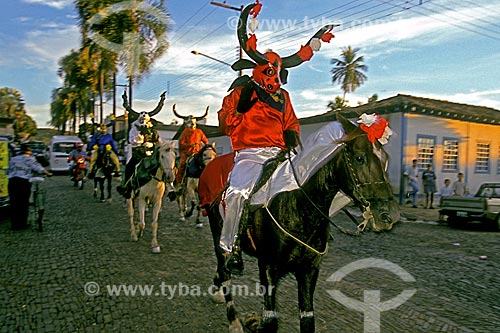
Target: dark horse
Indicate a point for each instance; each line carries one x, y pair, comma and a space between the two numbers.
188, 190
104, 171
290, 234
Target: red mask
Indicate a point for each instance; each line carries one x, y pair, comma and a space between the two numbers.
268, 75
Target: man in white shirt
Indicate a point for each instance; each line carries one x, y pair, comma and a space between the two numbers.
411, 173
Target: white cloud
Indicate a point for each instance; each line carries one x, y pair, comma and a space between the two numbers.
480, 98
58, 4
44, 48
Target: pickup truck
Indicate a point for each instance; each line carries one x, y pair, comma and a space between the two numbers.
484, 206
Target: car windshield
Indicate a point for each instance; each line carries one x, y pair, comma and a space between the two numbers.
37, 145
64, 147
490, 192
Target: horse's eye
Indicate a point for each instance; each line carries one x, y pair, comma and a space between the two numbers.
360, 159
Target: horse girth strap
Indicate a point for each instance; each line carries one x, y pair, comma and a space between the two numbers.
296, 239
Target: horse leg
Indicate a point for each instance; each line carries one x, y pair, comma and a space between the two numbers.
199, 224
133, 234
95, 187
268, 281
142, 216
306, 282
110, 185
154, 226
180, 202
101, 187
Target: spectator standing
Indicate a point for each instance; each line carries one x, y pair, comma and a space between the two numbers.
445, 191
429, 184
19, 172
460, 187
411, 173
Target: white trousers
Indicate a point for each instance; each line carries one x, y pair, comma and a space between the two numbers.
248, 165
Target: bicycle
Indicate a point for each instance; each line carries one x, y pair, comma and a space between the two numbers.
37, 202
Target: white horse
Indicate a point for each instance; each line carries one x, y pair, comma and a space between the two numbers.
152, 194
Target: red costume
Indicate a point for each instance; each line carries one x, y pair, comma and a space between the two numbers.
189, 144
263, 127
258, 117
214, 178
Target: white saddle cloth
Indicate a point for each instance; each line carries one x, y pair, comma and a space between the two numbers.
318, 148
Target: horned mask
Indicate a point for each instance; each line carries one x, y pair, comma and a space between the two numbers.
143, 118
269, 69
190, 121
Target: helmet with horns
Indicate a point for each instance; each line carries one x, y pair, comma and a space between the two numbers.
270, 64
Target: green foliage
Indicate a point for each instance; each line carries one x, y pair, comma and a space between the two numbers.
348, 70
338, 104
11, 102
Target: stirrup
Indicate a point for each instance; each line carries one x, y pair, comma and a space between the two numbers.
234, 262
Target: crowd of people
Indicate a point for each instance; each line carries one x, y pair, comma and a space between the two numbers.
412, 173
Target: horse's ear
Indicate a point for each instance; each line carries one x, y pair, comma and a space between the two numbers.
346, 124
352, 131
213, 145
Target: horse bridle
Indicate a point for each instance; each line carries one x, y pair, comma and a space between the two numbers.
357, 195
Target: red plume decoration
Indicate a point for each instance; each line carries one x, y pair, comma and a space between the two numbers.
376, 130
305, 53
256, 10
327, 36
251, 43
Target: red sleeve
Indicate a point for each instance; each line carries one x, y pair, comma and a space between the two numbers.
184, 142
228, 119
203, 137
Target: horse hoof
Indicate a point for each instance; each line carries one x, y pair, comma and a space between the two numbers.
199, 225
252, 322
156, 249
183, 219
235, 327
218, 297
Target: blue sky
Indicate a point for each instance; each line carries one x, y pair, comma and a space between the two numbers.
441, 49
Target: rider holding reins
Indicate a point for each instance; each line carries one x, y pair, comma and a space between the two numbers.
259, 118
99, 143
190, 143
143, 138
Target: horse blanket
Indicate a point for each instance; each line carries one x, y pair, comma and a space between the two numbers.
318, 149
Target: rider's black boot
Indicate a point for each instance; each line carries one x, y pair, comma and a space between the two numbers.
124, 191
234, 262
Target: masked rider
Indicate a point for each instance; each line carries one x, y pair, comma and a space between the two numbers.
74, 155
190, 142
143, 138
259, 118
98, 144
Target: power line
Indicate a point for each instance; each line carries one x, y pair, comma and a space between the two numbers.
447, 22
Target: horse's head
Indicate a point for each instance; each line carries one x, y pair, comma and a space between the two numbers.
364, 164
207, 154
167, 157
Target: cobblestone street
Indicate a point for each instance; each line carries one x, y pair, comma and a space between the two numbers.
67, 278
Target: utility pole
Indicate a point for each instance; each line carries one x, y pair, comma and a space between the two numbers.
114, 110
239, 9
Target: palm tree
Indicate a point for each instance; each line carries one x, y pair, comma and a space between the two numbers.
138, 32
11, 102
338, 104
348, 71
